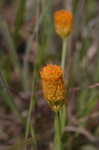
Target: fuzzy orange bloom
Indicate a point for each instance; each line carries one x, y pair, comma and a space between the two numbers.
63, 21
53, 86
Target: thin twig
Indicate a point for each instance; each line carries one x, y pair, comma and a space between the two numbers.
87, 87
81, 131
92, 116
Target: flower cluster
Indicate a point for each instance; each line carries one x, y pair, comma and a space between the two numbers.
63, 22
53, 86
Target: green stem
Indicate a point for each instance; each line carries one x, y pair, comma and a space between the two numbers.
63, 117
29, 119
34, 139
58, 144
28, 124
63, 58
19, 18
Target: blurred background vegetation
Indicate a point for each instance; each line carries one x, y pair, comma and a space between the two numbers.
27, 42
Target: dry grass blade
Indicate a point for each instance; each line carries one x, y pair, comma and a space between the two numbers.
28, 49
8, 95
72, 47
10, 42
19, 18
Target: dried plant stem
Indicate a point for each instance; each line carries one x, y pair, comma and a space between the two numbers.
58, 144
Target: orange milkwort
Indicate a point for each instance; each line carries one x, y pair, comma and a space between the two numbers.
63, 20
53, 86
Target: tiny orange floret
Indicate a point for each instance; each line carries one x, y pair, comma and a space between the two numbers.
63, 20
51, 72
53, 86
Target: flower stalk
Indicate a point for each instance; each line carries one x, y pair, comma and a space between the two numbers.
63, 26
58, 143
63, 58
54, 93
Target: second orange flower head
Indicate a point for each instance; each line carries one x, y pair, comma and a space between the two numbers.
53, 86
63, 21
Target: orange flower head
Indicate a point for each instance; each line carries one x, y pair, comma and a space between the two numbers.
63, 22
53, 86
